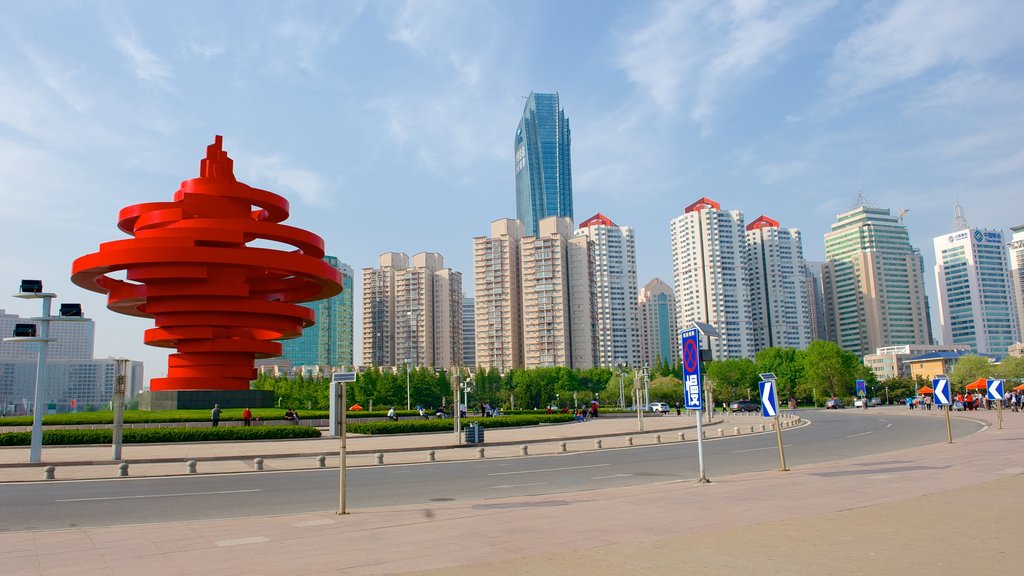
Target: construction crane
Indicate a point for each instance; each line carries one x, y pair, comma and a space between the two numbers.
901, 214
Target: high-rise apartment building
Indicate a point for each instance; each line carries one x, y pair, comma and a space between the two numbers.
614, 291
412, 312
659, 340
873, 282
777, 280
556, 276
468, 334
976, 303
1017, 273
709, 271
816, 301
543, 167
329, 341
497, 300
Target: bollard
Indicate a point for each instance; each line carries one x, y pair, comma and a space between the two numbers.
597, 444
682, 436
122, 470
379, 457
321, 461
190, 466
751, 429
479, 452
736, 431
657, 438
704, 434
721, 432
48, 472
430, 456
257, 464
763, 428
524, 450
629, 441
561, 447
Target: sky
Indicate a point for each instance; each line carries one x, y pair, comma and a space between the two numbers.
389, 125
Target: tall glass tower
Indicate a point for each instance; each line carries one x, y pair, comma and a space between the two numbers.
329, 341
543, 168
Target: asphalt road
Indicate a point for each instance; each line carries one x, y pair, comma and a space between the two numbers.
832, 435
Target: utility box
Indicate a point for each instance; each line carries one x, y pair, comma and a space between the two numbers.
474, 434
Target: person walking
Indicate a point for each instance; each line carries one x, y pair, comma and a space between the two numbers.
247, 417
215, 415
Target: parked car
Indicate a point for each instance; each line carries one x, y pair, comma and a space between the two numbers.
876, 401
743, 406
659, 407
834, 404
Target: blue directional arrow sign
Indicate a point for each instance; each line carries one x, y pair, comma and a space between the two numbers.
995, 389
689, 342
769, 399
940, 388
862, 388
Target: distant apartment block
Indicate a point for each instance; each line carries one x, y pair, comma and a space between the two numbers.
614, 290
777, 280
894, 361
468, 334
709, 273
497, 297
816, 302
658, 331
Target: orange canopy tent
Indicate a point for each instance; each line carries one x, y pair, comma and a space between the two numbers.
355, 407
1021, 387
925, 390
979, 384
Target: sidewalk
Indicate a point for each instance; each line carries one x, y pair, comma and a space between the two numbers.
938, 509
94, 461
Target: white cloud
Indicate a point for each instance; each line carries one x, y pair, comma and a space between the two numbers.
281, 177
920, 35
146, 65
687, 54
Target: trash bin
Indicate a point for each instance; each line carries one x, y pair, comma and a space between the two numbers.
474, 434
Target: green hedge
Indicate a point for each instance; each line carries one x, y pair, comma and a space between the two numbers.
150, 435
415, 425
168, 416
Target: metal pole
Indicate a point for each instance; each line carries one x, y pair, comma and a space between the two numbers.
949, 427
622, 392
119, 390
408, 390
458, 409
647, 387
782, 453
342, 452
36, 448
703, 478
637, 393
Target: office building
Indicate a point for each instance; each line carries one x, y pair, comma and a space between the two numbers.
328, 342
1017, 273
894, 361
975, 290
543, 167
873, 283
816, 301
709, 273
659, 339
777, 280
614, 292
412, 312
497, 300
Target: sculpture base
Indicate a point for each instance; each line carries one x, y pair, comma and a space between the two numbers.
205, 399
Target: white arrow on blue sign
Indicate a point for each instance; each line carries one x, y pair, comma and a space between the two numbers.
995, 389
941, 391
769, 399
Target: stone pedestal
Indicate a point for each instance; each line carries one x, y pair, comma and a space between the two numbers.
205, 399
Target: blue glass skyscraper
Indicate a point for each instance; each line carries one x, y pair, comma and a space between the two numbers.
543, 168
329, 341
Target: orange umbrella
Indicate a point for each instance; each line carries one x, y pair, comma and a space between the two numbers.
979, 384
925, 390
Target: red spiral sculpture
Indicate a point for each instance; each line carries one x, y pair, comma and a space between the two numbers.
218, 301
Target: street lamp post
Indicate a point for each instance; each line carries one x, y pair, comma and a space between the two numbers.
647, 387
622, 392
408, 389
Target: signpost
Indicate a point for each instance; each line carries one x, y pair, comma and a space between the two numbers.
995, 392
339, 390
689, 342
770, 409
862, 388
941, 395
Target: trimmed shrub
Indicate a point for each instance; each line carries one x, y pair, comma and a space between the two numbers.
152, 435
418, 425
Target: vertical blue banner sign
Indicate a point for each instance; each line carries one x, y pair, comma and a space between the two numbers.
689, 342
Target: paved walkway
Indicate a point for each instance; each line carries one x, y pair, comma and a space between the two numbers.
939, 509
94, 461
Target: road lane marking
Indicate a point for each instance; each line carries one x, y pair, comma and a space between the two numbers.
861, 434
241, 541
612, 476
548, 470
307, 523
765, 448
520, 485
157, 495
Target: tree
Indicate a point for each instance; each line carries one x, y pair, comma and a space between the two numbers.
829, 369
732, 378
667, 389
1011, 369
968, 369
786, 364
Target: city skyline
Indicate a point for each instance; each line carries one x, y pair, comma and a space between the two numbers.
784, 110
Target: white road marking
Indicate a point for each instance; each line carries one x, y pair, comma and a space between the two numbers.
888, 425
765, 448
241, 541
548, 470
157, 495
612, 476
861, 434
519, 485
321, 522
